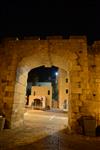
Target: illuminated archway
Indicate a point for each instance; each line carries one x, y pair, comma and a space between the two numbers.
23, 68
25, 55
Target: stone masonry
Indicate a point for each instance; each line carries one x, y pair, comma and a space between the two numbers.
18, 57
63, 88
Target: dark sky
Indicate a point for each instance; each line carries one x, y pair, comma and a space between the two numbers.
42, 74
20, 18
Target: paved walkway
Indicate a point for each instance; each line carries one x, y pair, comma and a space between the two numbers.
45, 131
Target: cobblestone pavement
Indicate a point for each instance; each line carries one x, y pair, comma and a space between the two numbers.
45, 131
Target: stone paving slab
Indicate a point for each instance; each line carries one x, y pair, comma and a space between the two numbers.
49, 135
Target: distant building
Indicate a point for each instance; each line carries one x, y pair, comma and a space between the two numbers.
63, 87
41, 95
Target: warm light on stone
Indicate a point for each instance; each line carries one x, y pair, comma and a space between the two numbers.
82, 63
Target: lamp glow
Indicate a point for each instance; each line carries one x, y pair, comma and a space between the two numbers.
56, 73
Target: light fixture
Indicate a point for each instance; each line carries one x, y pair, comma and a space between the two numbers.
56, 73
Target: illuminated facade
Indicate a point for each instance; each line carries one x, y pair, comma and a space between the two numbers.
80, 61
44, 93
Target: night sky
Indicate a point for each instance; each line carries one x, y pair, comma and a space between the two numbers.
42, 74
20, 18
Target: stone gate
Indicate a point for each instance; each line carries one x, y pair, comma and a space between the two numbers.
19, 56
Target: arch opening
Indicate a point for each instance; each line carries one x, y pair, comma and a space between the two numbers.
51, 101
49, 84
42, 83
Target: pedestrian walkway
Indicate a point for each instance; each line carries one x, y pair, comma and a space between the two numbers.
45, 131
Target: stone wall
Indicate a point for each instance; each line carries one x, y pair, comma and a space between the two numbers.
18, 57
94, 80
63, 87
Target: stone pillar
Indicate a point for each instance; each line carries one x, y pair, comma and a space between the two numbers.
78, 88
63, 87
75, 102
9, 75
19, 98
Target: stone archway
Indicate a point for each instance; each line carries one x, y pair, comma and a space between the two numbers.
20, 85
65, 54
